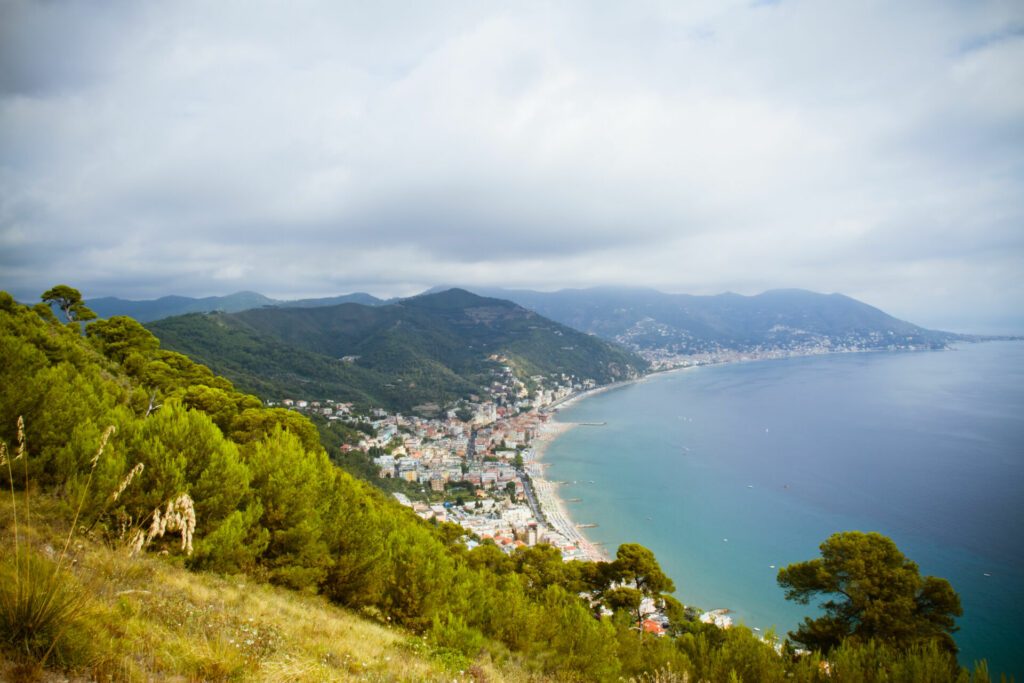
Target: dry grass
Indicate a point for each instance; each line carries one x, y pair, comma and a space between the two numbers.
147, 619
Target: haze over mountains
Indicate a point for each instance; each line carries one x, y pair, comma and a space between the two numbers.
788, 319
448, 344
643, 319
154, 309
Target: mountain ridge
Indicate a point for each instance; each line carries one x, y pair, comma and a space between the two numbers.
429, 348
780, 319
148, 310
653, 322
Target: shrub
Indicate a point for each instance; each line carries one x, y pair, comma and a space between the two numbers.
39, 603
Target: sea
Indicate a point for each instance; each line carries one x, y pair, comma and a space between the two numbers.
730, 472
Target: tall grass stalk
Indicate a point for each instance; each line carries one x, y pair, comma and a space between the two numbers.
88, 482
44, 601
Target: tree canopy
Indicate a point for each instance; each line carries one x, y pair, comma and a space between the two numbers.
69, 300
872, 592
268, 502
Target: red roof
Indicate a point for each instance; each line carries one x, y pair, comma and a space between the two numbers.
654, 627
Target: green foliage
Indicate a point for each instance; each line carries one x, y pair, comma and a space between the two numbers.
288, 483
69, 300
183, 452
120, 337
873, 592
875, 662
429, 349
254, 424
39, 602
540, 566
270, 502
236, 545
635, 564
451, 632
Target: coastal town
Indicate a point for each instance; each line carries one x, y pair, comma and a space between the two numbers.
477, 465
480, 466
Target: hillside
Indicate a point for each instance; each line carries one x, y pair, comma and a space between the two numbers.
152, 507
154, 620
789, 319
440, 346
643, 319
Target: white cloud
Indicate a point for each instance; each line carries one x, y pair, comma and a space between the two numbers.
190, 148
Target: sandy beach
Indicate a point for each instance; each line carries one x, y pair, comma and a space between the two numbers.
547, 491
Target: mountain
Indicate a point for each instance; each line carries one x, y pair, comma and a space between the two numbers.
782, 319
354, 298
167, 306
417, 351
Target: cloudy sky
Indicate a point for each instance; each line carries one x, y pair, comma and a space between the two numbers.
307, 148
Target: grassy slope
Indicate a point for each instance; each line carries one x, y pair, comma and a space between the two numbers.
148, 619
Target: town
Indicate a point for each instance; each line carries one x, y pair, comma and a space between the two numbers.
479, 466
476, 465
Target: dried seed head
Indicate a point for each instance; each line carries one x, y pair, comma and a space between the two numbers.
179, 515
134, 472
3, 454
21, 437
103, 444
136, 542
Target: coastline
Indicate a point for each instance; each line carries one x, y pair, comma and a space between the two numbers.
555, 514
554, 428
555, 511
554, 507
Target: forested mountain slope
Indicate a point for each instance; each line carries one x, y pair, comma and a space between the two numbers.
436, 347
122, 449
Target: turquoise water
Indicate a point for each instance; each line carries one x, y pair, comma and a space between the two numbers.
725, 471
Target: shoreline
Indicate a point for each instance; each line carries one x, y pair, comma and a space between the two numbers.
554, 507
556, 516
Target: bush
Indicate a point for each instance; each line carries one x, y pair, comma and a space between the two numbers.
39, 603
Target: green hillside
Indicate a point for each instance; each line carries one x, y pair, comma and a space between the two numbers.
125, 465
434, 347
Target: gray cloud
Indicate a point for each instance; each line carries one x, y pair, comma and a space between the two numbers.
874, 149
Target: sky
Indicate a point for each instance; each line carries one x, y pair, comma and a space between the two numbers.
318, 148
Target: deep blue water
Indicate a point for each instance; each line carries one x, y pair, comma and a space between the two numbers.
926, 448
